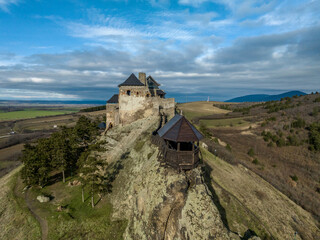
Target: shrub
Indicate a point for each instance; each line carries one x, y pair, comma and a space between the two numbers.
315, 112
292, 140
281, 142
299, 123
317, 99
314, 137
294, 178
206, 132
279, 133
251, 152
270, 144
228, 147
255, 161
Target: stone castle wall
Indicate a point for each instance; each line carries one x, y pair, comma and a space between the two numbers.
139, 104
112, 115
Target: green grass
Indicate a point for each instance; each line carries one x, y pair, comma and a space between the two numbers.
232, 122
16, 221
31, 113
78, 220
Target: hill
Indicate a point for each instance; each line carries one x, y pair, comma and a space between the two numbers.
277, 140
265, 97
147, 201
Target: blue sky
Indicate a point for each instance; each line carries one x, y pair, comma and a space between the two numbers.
76, 49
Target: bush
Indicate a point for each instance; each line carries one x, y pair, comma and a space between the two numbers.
314, 137
281, 142
315, 112
299, 123
255, 161
292, 140
270, 144
317, 99
251, 152
206, 132
294, 178
228, 147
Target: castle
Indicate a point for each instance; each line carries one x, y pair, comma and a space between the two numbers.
138, 98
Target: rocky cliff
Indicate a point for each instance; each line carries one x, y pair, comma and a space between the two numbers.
158, 202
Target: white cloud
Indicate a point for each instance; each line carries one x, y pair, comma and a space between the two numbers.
30, 94
31, 79
4, 4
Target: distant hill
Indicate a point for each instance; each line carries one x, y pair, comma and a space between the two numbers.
53, 102
265, 97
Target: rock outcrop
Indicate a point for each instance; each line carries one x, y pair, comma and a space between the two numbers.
159, 202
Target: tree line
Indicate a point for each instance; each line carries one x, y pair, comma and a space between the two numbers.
69, 151
93, 109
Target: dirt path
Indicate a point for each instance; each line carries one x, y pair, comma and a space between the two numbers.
43, 222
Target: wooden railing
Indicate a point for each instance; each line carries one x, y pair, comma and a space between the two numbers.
177, 159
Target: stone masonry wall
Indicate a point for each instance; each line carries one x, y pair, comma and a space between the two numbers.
139, 104
112, 114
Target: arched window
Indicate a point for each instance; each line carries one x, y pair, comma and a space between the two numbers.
128, 92
148, 95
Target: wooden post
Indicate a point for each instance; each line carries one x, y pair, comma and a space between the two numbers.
178, 147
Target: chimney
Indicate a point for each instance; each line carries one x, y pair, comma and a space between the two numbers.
142, 78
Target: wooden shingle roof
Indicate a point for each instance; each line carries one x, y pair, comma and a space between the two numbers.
132, 80
179, 129
114, 99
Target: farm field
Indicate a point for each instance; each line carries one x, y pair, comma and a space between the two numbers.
231, 122
9, 158
198, 109
31, 113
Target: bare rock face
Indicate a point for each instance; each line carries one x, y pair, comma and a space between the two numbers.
160, 203
43, 199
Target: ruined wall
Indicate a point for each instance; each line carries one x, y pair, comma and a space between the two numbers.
112, 114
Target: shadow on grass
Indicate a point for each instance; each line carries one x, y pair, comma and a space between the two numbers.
206, 169
113, 172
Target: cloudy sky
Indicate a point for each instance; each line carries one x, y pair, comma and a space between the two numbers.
82, 49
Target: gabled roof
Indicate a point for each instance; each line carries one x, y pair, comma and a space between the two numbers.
131, 81
114, 99
179, 129
155, 82
160, 92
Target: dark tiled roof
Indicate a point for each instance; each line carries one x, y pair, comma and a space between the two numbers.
114, 99
179, 129
160, 92
151, 78
131, 81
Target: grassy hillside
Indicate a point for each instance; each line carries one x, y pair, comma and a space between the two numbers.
250, 202
272, 139
16, 222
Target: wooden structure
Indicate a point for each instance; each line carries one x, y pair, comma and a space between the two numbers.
178, 142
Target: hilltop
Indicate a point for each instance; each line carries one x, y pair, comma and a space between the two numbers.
266, 97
